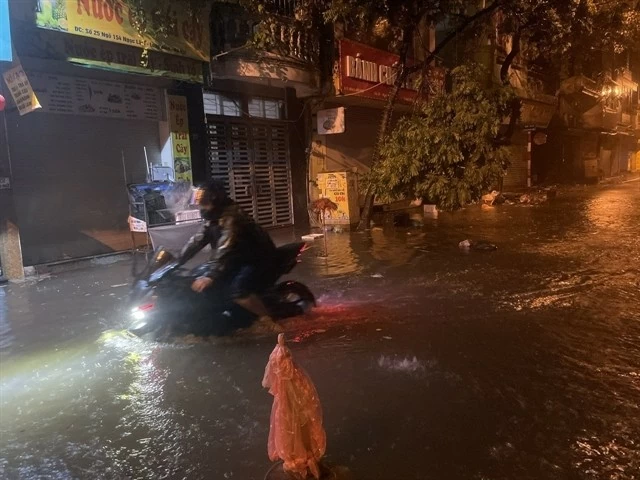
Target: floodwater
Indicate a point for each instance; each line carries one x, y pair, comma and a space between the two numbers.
431, 363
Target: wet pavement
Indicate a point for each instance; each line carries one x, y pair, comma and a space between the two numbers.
431, 363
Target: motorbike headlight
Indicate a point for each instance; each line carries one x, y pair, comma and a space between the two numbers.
140, 312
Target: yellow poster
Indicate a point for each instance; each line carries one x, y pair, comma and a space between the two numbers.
334, 187
181, 148
21, 91
170, 29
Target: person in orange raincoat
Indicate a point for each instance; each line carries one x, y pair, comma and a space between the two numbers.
296, 434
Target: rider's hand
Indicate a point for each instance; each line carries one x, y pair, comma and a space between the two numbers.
201, 284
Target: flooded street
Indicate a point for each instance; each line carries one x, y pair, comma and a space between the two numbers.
431, 363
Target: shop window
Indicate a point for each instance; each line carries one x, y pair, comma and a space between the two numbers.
266, 108
217, 104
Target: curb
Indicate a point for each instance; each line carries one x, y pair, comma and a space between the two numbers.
76, 264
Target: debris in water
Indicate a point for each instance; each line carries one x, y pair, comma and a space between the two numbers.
538, 197
377, 275
480, 245
311, 237
119, 285
430, 211
493, 198
304, 335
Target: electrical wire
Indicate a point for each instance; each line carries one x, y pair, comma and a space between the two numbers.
367, 89
222, 54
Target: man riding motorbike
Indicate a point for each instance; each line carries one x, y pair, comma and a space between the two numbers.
243, 254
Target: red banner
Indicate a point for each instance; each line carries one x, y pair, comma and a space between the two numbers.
363, 67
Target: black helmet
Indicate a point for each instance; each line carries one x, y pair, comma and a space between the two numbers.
213, 193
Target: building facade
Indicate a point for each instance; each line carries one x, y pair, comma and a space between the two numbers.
255, 113
101, 108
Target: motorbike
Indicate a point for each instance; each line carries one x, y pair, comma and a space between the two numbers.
162, 302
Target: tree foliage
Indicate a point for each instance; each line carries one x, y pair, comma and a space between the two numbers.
446, 152
158, 18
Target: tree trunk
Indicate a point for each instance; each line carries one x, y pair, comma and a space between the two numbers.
505, 138
405, 71
382, 133
511, 56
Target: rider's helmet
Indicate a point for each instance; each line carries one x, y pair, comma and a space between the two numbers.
211, 198
210, 194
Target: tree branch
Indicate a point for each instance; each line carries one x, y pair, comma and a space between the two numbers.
508, 60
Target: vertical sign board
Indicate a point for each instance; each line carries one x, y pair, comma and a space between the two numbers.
5, 32
181, 148
341, 189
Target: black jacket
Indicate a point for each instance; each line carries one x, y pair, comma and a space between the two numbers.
235, 239
209, 235
241, 242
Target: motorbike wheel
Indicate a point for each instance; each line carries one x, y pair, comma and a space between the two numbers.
294, 298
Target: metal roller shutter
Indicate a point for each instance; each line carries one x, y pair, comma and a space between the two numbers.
251, 158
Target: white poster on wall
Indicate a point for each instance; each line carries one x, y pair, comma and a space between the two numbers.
86, 96
137, 225
331, 121
21, 90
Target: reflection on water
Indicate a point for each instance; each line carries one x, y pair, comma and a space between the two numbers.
521, 363
341, 258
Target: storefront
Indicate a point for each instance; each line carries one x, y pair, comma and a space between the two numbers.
363, 80
249, 151
101, 117
532, 146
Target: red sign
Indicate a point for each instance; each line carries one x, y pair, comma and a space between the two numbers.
370, 73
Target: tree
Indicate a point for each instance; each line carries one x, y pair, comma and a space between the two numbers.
404, 18
447, 151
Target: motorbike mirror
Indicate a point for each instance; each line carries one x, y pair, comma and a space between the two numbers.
161, 258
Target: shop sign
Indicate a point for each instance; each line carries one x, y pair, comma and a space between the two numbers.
5, 33
179, 125
362, 67
112, 21
39, 43
23, 95
331, 121
86, 96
